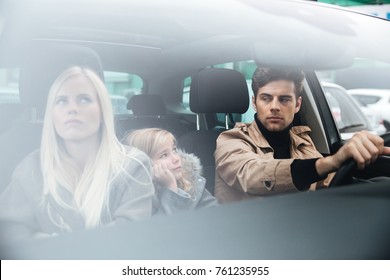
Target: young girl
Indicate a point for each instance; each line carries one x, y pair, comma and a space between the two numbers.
82, 177
176, 175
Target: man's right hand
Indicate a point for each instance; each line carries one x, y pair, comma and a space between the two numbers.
364, 147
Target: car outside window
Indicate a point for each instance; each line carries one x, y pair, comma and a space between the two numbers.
368, 99
363, 73
346, 112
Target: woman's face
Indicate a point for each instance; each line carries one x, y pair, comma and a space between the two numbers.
167, 156
76, 111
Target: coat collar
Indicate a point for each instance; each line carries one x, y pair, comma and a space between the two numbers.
254, 133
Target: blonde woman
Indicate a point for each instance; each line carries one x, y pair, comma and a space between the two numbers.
176, 175
82, 177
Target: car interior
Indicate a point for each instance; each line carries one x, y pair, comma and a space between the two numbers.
213, 90
150, 111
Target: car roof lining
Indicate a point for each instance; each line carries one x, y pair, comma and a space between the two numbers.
181, 32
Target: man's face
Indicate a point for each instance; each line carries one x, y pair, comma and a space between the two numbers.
276, 105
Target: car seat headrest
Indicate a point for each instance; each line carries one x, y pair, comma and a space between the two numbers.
218, 90
146, 105
43, 66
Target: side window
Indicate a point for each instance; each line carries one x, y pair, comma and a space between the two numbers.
122, 86
9, 86
358, 85
186, 93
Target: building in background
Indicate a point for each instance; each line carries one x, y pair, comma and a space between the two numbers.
379, 8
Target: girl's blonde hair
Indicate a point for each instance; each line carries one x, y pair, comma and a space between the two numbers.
90, 186
149, 140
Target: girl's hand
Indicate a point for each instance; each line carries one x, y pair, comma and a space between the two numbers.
164, 177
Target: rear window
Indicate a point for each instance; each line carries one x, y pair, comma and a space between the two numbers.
367, 99
121, 86
9, 86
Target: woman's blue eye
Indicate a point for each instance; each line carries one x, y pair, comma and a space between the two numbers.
85, 100
61, 101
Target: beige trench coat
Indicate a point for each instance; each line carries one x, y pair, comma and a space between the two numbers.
246, 168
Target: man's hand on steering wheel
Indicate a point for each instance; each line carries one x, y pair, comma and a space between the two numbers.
362, 149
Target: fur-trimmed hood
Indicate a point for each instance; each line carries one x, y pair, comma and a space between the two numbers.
191, 165
169, 202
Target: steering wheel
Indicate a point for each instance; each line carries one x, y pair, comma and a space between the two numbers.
343, 175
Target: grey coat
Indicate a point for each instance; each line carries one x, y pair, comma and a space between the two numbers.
168, 202
22, 213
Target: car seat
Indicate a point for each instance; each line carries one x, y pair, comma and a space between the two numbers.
213, 90
149, 111
39, 70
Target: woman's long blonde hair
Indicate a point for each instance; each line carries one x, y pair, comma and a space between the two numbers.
90, 186
149, 140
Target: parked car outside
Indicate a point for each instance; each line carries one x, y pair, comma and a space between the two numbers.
165, 42
377, 99
347, 113
374, 116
